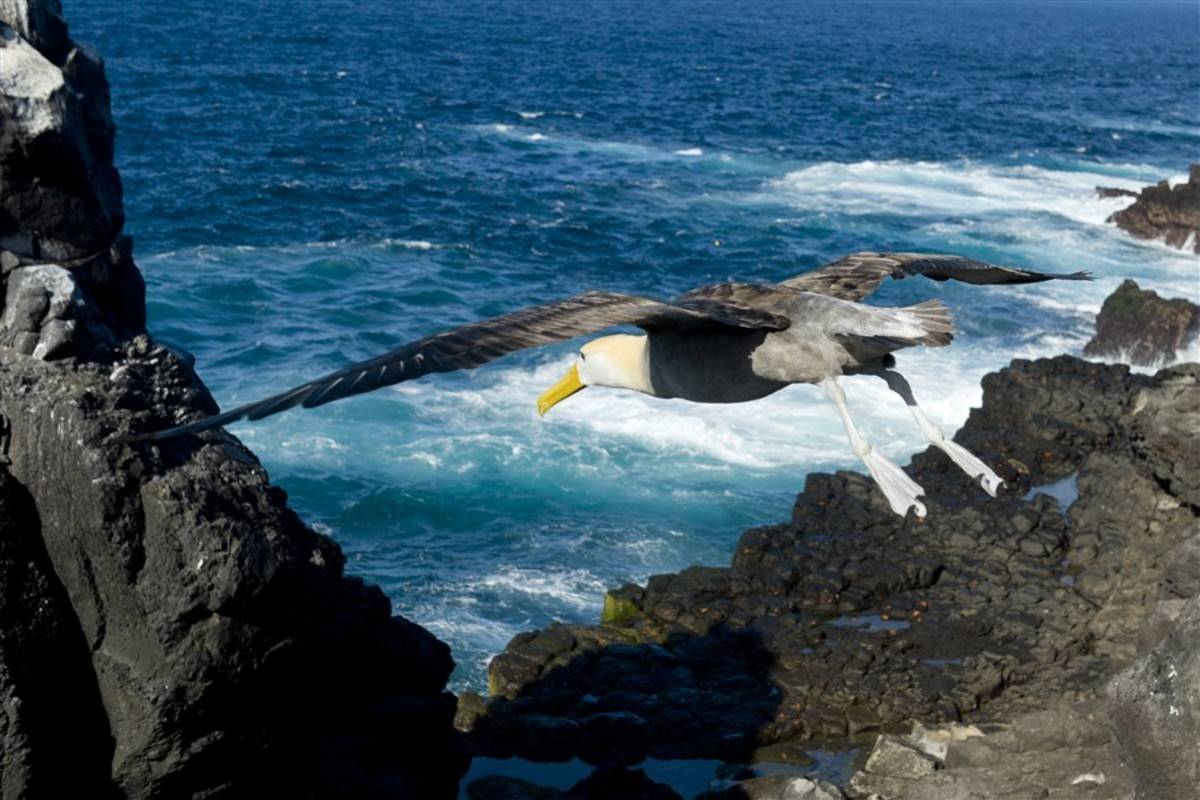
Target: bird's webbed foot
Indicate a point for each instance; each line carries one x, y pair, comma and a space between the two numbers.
900, 490
970, 464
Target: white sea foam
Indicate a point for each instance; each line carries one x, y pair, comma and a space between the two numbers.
410, 244
690, 151
793, 429
531, 114
575, 588
957, 189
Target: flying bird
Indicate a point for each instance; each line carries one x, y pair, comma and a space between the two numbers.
725, 343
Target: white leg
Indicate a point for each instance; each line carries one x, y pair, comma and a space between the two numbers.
899, 489
964, 458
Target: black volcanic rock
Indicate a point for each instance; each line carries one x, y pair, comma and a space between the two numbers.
848, 620
169, 628
1139, 326
45, 677
1171, 214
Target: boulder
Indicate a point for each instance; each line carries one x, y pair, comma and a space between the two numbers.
1165, 212
1139, 327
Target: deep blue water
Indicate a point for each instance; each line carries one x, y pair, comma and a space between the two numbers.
315, 182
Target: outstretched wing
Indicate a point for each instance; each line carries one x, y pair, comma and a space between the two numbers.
480, 342
857, 275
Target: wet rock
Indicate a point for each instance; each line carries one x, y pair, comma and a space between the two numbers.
628, 784
1139, 327
1110, 191
776, 787
1169, 213
499, 787
1155, 708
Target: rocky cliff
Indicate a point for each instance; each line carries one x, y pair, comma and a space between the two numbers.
168, 626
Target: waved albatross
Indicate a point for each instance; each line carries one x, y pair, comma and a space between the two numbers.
726, 343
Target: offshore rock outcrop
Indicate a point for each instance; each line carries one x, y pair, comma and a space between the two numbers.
1139, 327
1171, 214
168, 626
848, 621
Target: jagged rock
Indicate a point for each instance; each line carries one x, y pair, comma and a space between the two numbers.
168, 626
1139, 327
1155, 708
1171, 214
60, 196
849, 619
208, 611
1111, 191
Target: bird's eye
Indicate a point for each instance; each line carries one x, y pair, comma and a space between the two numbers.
582, 357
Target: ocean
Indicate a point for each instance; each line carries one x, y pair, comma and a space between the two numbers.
314, 182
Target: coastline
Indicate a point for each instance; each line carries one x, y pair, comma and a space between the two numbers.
208, 642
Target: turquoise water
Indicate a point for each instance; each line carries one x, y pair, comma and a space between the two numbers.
311, 183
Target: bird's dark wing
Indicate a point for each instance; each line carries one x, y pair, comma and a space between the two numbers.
739, 305
480, 342
857, 275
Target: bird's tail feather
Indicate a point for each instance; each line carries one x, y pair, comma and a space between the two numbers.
935, 320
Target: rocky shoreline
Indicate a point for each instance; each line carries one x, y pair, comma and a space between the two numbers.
847, 622
1162, 212
170, 628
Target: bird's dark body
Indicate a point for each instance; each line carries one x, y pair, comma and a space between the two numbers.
718, 365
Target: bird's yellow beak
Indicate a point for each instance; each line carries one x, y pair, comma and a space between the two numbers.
569, 385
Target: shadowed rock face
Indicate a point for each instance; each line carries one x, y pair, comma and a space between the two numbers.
1142, 328
1171, 214
848, 620
168, 626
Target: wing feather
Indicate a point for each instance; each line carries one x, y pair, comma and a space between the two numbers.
857, 275
480, 342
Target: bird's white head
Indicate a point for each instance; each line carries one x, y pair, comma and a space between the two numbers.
621, 361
